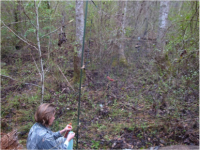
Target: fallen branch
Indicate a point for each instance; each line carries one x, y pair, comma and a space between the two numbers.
65, 78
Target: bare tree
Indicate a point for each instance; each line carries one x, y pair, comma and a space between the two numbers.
39, 48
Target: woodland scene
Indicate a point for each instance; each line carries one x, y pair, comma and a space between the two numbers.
124, 73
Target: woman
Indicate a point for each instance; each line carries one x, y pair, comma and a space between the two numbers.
41, 137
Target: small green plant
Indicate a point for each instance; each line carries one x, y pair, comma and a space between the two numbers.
4, 72
26, 128
18, 63
139, 135
24, 115
102, 127
47, 97
107, 138
118, 127
115, 103
95, 144
15, 102
33, 99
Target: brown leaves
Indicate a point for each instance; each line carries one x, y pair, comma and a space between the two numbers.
10, 141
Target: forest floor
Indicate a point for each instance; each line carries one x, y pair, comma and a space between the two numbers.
137, 110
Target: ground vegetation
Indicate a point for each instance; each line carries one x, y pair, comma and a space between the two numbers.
153, 99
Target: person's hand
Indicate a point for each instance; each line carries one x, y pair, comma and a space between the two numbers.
68, 128
70, 136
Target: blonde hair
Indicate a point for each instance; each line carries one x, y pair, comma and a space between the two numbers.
44, 113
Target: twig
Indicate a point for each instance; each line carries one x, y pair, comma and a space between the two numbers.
65, 78
37, 66
19, 81
39, 4
28, 17
15, 23
51, 32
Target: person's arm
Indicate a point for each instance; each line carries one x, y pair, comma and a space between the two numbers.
49, 142
69, 137
59, 133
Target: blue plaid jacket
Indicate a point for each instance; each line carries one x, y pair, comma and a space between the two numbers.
41, 137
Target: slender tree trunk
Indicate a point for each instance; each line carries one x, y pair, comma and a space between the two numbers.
121, 31
48, 4
79, 39
49, 30
163, 20
39, 49
16, 16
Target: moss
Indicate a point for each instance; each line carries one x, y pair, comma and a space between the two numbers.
76, 76
114, 63
4, 72
123, 62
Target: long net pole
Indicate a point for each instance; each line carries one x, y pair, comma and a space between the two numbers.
81, 72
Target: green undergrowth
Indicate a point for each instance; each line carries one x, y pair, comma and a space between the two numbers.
147, 100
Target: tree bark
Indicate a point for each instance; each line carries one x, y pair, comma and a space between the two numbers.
121, 31
163, 20
79, 39
39, 49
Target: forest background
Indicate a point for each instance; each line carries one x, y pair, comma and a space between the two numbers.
149, 48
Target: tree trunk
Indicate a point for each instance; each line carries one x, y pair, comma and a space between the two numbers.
79, 39
39, 49
121, 31
17, 16
163, 20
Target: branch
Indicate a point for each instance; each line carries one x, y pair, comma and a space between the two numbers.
14, 23
28, 17
18, 36
37, 67
56, 29
51, 32
39, 4
56, 8
65, 78
19, 81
